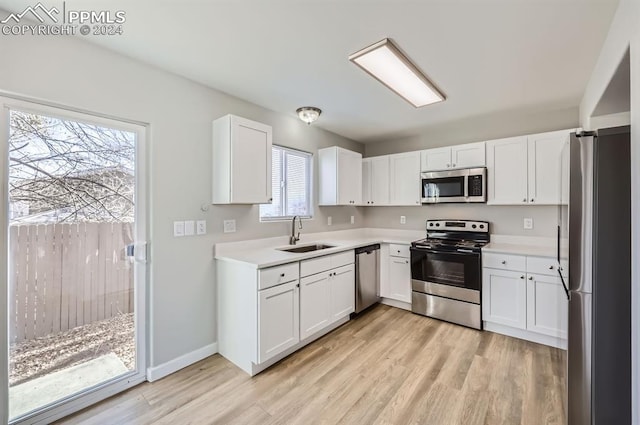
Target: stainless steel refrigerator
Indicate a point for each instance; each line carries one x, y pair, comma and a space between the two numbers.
599, 277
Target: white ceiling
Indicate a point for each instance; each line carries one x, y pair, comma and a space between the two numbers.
486, 55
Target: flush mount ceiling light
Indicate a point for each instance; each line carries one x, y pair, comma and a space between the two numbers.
308, 114
386, 63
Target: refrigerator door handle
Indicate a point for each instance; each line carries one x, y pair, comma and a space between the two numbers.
564, 285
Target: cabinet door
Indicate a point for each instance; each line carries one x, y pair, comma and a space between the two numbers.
315, 300
349, 177
279, 320
366, 181
380, 180
399, 284
435, 159
468, 155
504, 298
547, 305
507, 171
545, 167
250, 162
405, 178
343, 286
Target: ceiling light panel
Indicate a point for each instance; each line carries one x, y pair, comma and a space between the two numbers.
386, 63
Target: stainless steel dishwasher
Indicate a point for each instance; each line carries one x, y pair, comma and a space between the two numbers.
367, 276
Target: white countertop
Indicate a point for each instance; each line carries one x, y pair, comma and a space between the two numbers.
522, 245
262, 253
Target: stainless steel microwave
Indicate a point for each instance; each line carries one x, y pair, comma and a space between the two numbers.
465, 185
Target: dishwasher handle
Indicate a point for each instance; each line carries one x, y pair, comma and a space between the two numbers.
367, 249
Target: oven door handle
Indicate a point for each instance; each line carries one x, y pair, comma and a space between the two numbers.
466, 186
433, 251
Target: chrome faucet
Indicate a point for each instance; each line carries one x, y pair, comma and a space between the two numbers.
293, 238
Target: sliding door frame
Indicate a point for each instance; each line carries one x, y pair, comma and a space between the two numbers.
104, 390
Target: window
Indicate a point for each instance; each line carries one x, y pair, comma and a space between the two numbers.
291, 185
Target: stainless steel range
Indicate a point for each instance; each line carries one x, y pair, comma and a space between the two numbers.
446, 271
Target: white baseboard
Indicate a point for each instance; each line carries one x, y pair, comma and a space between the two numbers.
160, 371
396, 303
526, 335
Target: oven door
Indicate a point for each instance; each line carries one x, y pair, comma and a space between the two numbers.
444, 186
453, 275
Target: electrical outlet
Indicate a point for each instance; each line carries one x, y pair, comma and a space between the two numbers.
403, 219
329, 221
229, 226
178, 228
201, 227
189, 228
528, 223
353, 220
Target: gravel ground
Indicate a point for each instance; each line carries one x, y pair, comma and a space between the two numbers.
31, 359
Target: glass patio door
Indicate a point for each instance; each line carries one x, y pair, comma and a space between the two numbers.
76, 258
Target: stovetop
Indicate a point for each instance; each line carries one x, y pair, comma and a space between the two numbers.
455, 235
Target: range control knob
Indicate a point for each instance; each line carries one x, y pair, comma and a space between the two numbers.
482, 226
437, 224
430, 224
473, 226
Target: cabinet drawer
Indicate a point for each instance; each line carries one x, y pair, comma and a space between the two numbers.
542, 265
397, 250
273, 276
504, 261
328, 262
342, 259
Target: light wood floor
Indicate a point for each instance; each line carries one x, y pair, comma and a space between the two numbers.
388, 366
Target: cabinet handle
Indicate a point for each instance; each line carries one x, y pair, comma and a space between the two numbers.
532, 199
550, 267
281, 274
530, 277
504, 262
524, 200
521, 277
417, 202
297, 285
448, 165
453, 165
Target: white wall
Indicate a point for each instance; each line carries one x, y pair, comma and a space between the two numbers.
624, 34
505, 220
179, 113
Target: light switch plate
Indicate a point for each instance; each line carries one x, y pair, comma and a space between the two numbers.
329, 221
189, 228
229, 226
528, 223
403, 219
178, 228
201, 227
353, 220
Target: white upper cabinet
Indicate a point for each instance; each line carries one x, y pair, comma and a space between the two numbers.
468, 155
241, 161
375, 181
450, 157
526, 169
340, 176
507, 171
545, 167
435, 159
404, 170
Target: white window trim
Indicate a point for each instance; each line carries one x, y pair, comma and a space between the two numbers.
284, 192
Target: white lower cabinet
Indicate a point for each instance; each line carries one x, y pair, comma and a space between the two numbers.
523, 296
279, 315
342, 283
315, 304
546, 306
504, 297
266, 314
396, 285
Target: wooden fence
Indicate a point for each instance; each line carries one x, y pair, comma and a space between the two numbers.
67, 275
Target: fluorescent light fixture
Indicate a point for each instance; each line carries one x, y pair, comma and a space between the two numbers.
386, 63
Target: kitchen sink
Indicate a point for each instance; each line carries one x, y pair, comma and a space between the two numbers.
306, 248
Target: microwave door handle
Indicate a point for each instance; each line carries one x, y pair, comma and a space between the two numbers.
466, 186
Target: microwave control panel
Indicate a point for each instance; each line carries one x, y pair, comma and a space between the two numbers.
475, 185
